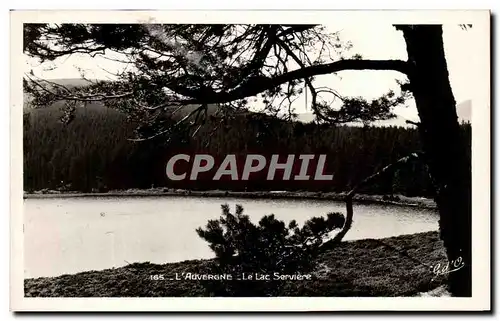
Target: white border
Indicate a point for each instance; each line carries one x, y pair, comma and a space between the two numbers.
480, 183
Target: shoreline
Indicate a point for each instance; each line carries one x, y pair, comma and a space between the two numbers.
338, 273
396, 200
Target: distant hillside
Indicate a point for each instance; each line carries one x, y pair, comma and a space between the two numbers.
70, 82
89, 110
398, 121
464, 109
98, 107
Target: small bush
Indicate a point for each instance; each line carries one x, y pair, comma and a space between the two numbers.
242, 247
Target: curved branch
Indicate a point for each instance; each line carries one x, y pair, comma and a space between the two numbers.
349, 198
257, 85
54, 53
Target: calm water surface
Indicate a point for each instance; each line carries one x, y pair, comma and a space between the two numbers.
69, 235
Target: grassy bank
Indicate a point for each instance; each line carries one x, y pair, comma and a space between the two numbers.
384, 267
360, 198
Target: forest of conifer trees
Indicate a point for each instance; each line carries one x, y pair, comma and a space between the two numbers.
93, 153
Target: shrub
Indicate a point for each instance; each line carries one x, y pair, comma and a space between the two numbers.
267, 248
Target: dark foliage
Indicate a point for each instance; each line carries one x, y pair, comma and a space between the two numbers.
248, 252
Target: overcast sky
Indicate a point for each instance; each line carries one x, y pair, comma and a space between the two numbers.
371, 41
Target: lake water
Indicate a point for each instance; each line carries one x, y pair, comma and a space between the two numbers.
69, 235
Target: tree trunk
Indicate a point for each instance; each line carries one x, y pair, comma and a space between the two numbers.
444, 147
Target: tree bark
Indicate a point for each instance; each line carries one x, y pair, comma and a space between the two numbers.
444, 147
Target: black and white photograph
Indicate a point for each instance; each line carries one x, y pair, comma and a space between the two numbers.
308, 159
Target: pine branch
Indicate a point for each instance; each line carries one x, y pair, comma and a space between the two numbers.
256, 85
